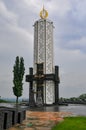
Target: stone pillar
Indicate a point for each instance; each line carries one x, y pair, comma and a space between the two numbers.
1, 120
56, 84
31, 91
7, 119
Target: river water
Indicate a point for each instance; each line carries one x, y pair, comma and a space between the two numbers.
76, 109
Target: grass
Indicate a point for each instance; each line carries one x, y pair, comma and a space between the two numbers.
3, 101
71, 123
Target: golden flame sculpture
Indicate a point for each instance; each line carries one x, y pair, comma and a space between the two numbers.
43, 13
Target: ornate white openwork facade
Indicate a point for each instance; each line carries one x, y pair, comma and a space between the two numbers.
43, 53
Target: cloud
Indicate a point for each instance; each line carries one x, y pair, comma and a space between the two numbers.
13, 35
79, 44
7, 15
70, 28
71, 70
79, 10
15, 41
16, 38
59, 8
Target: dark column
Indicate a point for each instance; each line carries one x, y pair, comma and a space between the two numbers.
31, 83
31, 92
56, 84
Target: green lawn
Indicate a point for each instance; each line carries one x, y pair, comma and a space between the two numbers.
72, 123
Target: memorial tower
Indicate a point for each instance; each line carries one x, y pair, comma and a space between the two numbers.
43, 77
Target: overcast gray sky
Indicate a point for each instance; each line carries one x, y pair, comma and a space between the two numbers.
16, 39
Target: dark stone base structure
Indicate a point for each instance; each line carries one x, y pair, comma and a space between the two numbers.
5, 119
11, 116
40, 78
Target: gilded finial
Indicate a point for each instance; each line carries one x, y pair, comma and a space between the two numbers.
43, 13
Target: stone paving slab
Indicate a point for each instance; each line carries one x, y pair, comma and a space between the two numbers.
40, 120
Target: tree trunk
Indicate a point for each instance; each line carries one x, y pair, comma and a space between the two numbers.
16, 100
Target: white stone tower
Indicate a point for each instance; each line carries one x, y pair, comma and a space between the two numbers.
43, 77
43, 53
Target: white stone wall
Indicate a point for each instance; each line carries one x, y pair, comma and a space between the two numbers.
50, 97
43, 53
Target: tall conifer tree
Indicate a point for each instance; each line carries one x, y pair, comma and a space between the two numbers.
18, 73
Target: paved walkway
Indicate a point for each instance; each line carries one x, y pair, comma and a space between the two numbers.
40, 120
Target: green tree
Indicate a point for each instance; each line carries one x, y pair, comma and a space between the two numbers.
82, 97
18, 73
